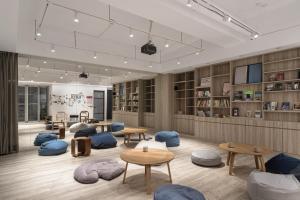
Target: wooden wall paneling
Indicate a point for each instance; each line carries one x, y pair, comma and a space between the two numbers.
291, 137
271, 136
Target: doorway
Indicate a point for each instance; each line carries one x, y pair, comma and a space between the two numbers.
109, 105
99, 97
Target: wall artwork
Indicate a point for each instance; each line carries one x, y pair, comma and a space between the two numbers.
79, 98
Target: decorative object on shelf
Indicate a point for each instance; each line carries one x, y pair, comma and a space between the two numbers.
285, 106
258, 95
201, 113
176, 88
205, 93
278, 86
249, 113
257, 114
226, 89
236, 112
298, 74
240, 76
289, 86
280, 76
179, 112
297, 106
238, 96
269, 87
272, 77
205, 82
255, 73
274, 105
203, 103
296, 85
248, 95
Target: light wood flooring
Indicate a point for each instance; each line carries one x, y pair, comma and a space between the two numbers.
28, 176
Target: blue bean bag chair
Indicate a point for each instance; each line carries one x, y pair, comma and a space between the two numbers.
44, 137
170, 137
117, 126
284, 164
103, 140
86, 132
53, 147
177, 192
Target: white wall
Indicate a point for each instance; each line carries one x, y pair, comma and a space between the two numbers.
65, 91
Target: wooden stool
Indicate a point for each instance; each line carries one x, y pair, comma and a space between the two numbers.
61, 133
83, 146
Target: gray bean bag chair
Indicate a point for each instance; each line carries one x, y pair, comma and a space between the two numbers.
90, 172
177, 192
206, 157
268, 186
78, 126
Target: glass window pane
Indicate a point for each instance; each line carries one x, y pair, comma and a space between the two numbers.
43, 103
21, 103
32, 103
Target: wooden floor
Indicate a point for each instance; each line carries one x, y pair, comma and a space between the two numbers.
28, 176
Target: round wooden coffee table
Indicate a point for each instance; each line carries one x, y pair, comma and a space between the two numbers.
247, 149
128, 132
152, 157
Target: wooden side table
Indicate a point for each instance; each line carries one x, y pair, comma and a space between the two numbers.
131, 131
247, 149
148, 159
83, 146
62, 133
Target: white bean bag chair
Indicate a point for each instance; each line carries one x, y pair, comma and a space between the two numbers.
268, 186
78, 126
152, 145
206, 157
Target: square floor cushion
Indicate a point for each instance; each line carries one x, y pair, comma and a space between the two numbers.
86, 132
44, 137
103, 141
284, 164
53, 147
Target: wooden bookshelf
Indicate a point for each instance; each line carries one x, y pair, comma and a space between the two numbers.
282, 85
184, 84
149, 95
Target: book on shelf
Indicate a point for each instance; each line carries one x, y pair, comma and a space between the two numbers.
285, 106
238, 96
203, 93
226, 89
235, 112
221, 103
258, 95
203, 103
240, 76
254, 73
271, 105
257, 114
205, 82
297, 106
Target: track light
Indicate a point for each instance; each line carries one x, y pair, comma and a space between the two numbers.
76, 20
227, 18
45, 62
125, 61
178, 62
27, 65
189, 3
167, 44
95, 55
38, 33
61, 77
52, 48
39, 70
197, 53
130, 33
254, 36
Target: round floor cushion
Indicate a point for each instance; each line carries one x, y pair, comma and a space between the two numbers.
206, 157
268, 186
103, 140
53, 147
171, 138
177, 192
77, 126
85, 132
90, 172
44, 137
117, 126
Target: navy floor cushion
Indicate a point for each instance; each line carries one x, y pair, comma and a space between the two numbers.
44, 137
284, 164
170, 137
177, 192
103, 140
53, 147
86, 132
117, 126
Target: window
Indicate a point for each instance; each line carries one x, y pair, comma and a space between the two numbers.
32, 103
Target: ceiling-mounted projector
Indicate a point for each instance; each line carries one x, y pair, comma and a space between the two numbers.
83, 75
148, 48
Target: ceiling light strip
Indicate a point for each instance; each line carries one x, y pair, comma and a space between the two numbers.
123, 25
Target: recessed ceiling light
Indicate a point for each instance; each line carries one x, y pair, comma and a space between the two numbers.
106, 69
45, 62
79, 66
76, 20
150, 66
197, 53
178, 63
125, 61
95, 55
39, 70
27, 65
61, 77
129, 72
130, 33
254, 36
39, 34
52, 48
189, 3
66, 73
167, 44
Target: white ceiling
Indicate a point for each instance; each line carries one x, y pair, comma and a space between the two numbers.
277, 22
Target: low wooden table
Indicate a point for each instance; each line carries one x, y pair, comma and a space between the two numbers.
83, 146
131, 131
152, 157
245, 149
57, 123
104, 124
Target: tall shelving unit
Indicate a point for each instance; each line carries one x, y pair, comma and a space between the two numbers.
282, 85
149, 95
203, 104
184, 93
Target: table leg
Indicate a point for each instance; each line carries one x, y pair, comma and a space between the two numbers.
144, 136
262, 163
148, 178
139, 136
169, 170
256, 162
231, 163
228, 158
125, 172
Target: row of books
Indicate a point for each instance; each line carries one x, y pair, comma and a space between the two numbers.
221, 103
293, 85
274, 105
203, 103
204, 93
